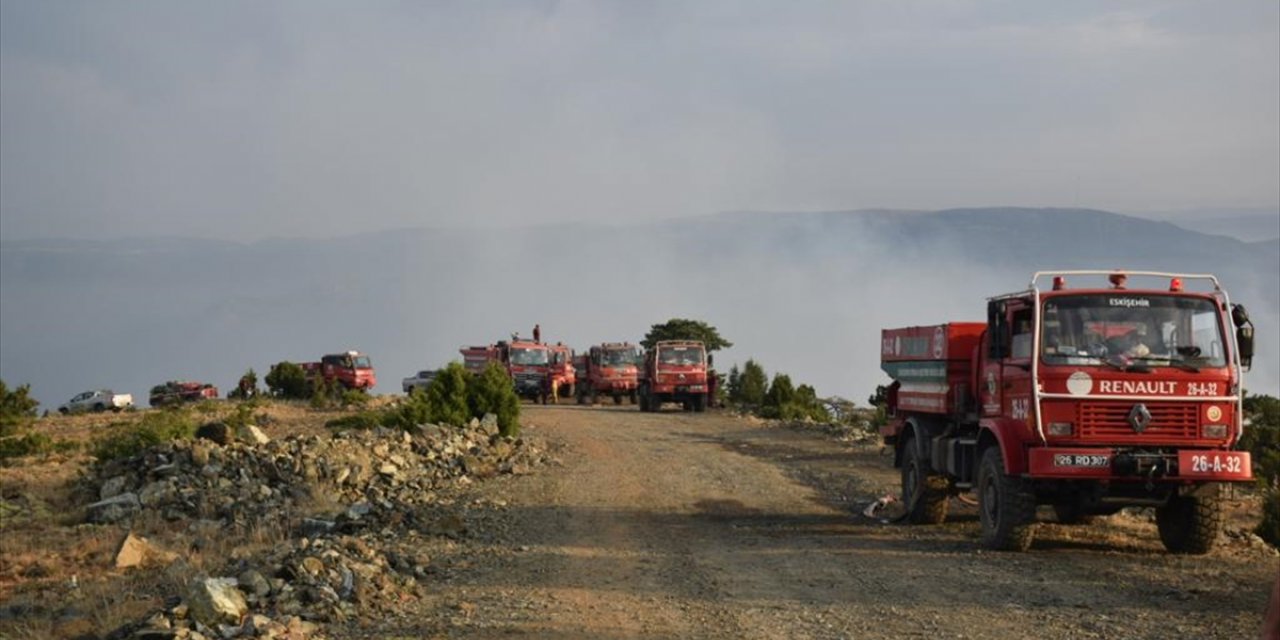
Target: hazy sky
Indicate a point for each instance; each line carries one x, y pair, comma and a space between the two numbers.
250, 119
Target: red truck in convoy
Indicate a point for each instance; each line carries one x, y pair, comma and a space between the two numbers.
349, 370
562, 374
675, 371
1085, 399
528, 364
179, 391
610, 369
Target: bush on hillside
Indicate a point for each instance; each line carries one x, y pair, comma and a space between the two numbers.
288, 380
17, 408
125, 439
491, 392
446, 396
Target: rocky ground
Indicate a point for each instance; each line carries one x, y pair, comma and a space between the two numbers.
603, 522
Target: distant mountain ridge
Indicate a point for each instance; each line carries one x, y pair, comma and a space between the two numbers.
805, 293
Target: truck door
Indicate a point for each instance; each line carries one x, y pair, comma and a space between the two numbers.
995, 346
1016, 369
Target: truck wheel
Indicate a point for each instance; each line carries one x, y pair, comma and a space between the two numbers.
617, 398
99, 407
1006, 505
1190, 524
634, 399
699, 404
923, 493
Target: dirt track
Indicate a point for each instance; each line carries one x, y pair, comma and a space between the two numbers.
678, 525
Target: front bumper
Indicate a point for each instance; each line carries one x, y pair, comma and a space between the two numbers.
1190, 465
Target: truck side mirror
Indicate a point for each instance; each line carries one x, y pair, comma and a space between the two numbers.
1239, 315
1244, 341
711, 360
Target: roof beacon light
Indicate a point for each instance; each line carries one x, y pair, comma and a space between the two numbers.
1059, 283
1175, 285
1118, 279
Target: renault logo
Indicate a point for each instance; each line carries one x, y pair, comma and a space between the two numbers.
1139, 418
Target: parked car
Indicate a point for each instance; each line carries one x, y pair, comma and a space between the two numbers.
419, 380
178, 391
97, 400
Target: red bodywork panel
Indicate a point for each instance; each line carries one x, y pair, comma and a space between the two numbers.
562, 371
932, 365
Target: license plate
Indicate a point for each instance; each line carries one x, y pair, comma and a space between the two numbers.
1232, 464
1089, 460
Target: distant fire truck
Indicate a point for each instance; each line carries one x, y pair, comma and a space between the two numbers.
528, 364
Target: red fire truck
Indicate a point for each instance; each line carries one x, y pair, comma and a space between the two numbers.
527, 362
349, 370
562, 374
675, 371
1087, 399
611, 369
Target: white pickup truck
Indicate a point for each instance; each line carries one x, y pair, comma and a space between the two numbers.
418, 380
97, 400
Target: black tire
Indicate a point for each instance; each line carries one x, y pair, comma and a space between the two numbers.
923, 493
64, 411
1190, 524
617, 398
99, 407
634, 397
699, 404
1006, 505
687, 405
1072, 513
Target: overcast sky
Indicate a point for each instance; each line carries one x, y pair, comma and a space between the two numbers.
244, 120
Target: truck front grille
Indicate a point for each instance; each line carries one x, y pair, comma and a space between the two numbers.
1109, 421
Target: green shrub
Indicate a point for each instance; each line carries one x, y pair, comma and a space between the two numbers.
1262, 440
492, 392
362, 420
354, 398
413, 411
17, 408
123, 440
751, 387
288, 380
446, 396
324, 394
32, 443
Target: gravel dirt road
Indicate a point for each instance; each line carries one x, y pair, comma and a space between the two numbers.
676, 525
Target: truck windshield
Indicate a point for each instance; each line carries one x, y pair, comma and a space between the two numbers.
620, 357
362, 362
685, 356
529, 356
1158, 330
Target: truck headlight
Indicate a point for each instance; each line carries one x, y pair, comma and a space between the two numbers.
1061, 429
1214, 431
